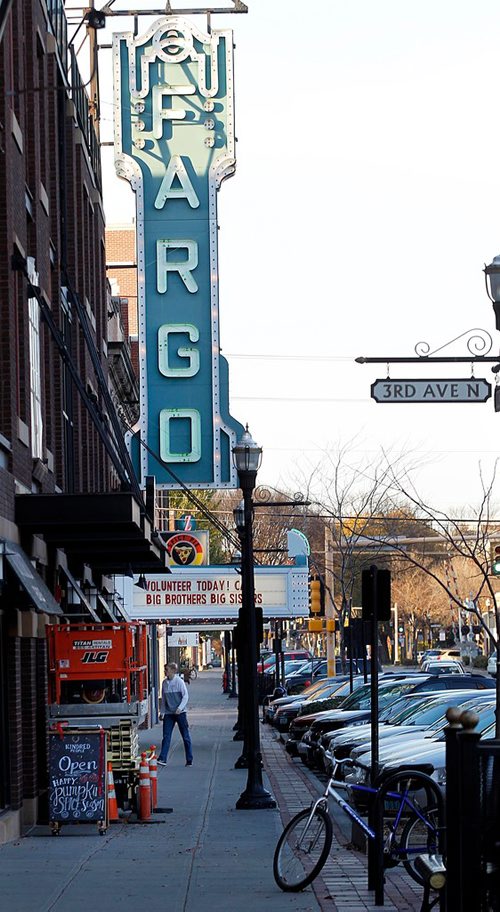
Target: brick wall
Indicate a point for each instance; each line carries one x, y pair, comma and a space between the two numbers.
15, 721
51, 210
29, 716
120, 249
50, 205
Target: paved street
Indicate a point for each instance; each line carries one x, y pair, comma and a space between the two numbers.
204, 851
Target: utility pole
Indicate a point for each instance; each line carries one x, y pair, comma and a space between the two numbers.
329, 606
396, 633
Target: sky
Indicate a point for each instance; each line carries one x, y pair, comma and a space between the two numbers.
365, 203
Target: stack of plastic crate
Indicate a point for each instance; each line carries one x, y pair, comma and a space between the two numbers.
123, 745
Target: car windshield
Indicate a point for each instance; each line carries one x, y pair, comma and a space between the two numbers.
294, 665
361, 698
435, 713
401, 710
316, 688
329, 690
486, 719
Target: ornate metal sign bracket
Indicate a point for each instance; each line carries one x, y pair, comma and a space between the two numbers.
237, 7
262, 496
479, 344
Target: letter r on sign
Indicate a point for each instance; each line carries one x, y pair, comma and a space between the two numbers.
184, 267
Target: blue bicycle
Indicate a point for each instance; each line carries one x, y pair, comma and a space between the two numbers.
410, 819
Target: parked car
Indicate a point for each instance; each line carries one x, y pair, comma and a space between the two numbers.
310, 671
356, 708
426, 754
360, 701
433, 666
269, 664
455, 682
453, 652
334, 689
416, 713
492, 664
428, 654
272, 704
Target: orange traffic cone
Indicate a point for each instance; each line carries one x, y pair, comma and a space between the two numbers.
144, 789
153, 777
112, 802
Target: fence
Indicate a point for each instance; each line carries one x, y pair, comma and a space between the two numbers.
472, 817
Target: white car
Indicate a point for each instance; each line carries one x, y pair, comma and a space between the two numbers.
492, 664
433, 666
452, 653
422, 749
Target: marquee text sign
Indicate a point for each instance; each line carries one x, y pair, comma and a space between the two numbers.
215, 592
462, 391
174, 142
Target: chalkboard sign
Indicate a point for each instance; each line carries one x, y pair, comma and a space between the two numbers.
77, 775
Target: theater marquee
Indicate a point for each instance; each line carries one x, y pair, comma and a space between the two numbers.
174, 143
214, 593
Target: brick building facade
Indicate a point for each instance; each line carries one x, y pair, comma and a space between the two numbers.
63, 463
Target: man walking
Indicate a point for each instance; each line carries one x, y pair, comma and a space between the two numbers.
174, 699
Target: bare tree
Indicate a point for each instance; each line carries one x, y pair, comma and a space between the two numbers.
355, 502
462, 545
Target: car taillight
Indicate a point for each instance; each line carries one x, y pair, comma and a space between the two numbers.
307, 684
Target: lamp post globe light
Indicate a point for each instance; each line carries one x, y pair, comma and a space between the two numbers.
247, 457
492, 279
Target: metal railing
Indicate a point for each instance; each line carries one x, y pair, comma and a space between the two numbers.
472, 817
58, 21
76, 89
85, 122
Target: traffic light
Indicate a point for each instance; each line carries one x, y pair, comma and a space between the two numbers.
376, 585
315, 596
495, 558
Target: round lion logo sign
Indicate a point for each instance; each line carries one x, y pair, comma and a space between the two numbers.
185, 550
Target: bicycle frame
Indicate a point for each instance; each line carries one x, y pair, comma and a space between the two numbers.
401, 797
305, 842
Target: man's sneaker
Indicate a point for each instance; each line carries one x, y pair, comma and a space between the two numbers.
161, 762
189, 762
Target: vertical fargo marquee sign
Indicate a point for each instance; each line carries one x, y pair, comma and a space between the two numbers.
174, 143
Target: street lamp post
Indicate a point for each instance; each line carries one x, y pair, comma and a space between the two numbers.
492, 279
247, 457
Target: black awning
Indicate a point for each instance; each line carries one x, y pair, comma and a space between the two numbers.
30, 580
108, 531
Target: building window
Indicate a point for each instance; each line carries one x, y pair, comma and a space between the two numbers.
35, 368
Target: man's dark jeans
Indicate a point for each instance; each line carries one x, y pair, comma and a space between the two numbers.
169, 720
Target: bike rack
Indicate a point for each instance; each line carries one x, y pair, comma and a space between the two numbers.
376, 870
433, 872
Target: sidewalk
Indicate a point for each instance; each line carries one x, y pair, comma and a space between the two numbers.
204, 851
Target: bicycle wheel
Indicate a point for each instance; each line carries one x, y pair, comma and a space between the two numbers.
193, 673
302, 849
418, 837
408, 795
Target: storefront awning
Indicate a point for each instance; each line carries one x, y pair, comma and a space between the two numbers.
30, 580
108, 531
